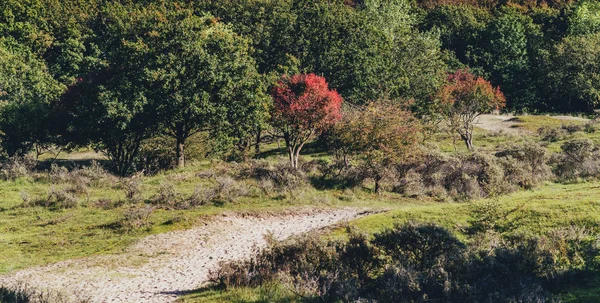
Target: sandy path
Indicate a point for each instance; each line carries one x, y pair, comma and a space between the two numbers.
500, 123
504, 123
161, 267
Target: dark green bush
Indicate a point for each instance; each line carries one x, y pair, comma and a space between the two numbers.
419, 263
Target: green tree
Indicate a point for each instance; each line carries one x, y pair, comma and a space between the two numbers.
109, 107
27, 94
203, 79
575, 74
585, 18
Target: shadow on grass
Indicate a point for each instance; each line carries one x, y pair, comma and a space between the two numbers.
310, 149
241, 295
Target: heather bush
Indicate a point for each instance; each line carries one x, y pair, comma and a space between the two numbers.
551, 134
524, 165
572, 128
58, 198
167, 195
280, 175
131, 187
579, 158
591, 126
136, 217
462, 177
418, 263
17, 167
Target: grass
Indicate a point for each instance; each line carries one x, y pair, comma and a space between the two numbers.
37, 235
532, 123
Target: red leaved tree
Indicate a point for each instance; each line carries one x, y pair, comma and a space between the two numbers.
464, 98
303, 107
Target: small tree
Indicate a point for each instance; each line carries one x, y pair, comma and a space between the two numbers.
464, 98
379, 135
303, 107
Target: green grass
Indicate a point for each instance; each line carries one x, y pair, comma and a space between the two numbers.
532, 123
36, 235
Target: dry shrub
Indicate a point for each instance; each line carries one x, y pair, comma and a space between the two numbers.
418, 263
58, 199
107, 204
579, 159
81, 178
280, 175
131, 187
551, 134
136, 217
229, 190
572, 128
17, 167
591, 126
525, 165
167, 195
462, 177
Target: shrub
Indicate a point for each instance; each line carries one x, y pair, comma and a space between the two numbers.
17, 167
572, 128
167, 195
59, 198
131, 187
580, 158
228, 190
461, 177
591, 126
282, 176
524, 165
136, 217
416, 263
550, 134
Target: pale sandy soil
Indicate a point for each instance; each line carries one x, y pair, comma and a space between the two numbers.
503, 123
159, 268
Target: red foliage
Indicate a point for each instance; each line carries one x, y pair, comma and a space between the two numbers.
303, 107
305, 103
468, 92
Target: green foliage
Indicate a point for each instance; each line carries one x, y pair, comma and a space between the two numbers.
585, 18
579, 88
27, 94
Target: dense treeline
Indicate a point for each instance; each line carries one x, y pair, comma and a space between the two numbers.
115, 74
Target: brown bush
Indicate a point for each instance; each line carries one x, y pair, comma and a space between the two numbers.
136, 217
462, 177
17, 167
525, 165
579, 158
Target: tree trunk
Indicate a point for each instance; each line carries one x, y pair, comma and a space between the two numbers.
180, 152
468, 140
257, 144
292, 153
377, 186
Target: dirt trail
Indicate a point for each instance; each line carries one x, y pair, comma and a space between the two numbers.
159, 268
506, 124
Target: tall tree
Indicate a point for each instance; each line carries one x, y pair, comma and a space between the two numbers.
27, 94
110, 107
303, 107
203, 79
